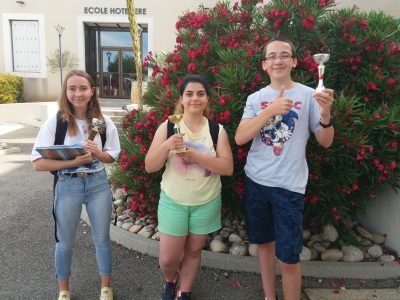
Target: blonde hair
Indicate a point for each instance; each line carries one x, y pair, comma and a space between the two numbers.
66, 108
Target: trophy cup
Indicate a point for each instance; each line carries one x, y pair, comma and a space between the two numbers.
96, 126
321, 58
175, 119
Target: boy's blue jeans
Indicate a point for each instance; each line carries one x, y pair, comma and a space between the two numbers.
71, 192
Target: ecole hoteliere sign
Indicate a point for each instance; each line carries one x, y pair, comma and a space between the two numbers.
111, 10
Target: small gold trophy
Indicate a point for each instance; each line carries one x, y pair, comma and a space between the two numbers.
175, 119
96, 126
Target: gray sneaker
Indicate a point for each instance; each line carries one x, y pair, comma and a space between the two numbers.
184, 296
169, 290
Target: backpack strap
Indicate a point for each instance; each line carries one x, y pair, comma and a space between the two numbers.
170, 129
61, 130
214, 131
103, 137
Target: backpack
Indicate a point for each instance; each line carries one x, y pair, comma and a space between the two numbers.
61, 131
214, 131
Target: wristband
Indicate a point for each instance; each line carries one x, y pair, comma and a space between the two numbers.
326, 125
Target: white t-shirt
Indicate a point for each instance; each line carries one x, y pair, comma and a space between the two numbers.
277, 157
47, 133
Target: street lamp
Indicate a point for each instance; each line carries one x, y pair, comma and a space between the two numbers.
60, 30
108, 53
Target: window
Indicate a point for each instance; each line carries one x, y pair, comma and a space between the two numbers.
25, 46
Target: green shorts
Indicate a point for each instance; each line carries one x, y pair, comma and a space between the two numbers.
180, 220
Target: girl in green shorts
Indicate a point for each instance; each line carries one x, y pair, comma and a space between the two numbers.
190, 199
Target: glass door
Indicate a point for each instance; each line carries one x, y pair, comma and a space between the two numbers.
118, 72
109, 75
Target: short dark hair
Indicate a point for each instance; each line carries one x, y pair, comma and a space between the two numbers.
194, 78
279, 39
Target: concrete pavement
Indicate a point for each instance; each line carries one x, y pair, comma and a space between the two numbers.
27, 245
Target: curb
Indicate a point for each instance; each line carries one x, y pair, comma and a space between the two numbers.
10, 150
319, 269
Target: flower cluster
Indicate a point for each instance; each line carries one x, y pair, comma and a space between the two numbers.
224, 44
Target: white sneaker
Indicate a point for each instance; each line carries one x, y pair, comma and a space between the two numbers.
106, 294
64, 295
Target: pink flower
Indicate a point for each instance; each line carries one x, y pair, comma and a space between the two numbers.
191, 67
192, 53
391, 81
165, 81
241, 154
370, 86
225, 116
308, 22
323, 3
223, 12
138, 139
155, 71
258, 78
364, 24
239, 187
393, 145
139, 124
143, 149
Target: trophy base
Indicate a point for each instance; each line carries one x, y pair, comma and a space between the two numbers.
183, 150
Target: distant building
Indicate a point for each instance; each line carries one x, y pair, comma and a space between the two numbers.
97, 35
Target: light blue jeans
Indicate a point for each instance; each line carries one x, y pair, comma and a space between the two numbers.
71, 192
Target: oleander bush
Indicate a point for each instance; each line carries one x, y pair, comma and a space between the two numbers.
224, 44
11, 88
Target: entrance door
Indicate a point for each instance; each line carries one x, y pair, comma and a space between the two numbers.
117, 67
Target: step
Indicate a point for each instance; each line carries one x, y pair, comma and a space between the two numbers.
113, 112
346, 294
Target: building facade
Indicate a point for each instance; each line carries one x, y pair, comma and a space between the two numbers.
94, 35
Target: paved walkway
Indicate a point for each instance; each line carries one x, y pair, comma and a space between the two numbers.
26, 251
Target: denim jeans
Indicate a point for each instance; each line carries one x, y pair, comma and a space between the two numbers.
71, 192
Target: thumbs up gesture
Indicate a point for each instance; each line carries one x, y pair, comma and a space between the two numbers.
280, 105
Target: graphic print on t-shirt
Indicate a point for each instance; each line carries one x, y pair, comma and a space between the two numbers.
279, 130
190, 169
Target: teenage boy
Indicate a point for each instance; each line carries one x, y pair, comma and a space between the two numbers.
278, 118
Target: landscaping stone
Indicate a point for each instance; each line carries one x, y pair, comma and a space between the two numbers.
329, 233
238, 248
305, 253
232, 238
332, 255
352, 253
252, 249
219, 246
135, 228
375, 251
